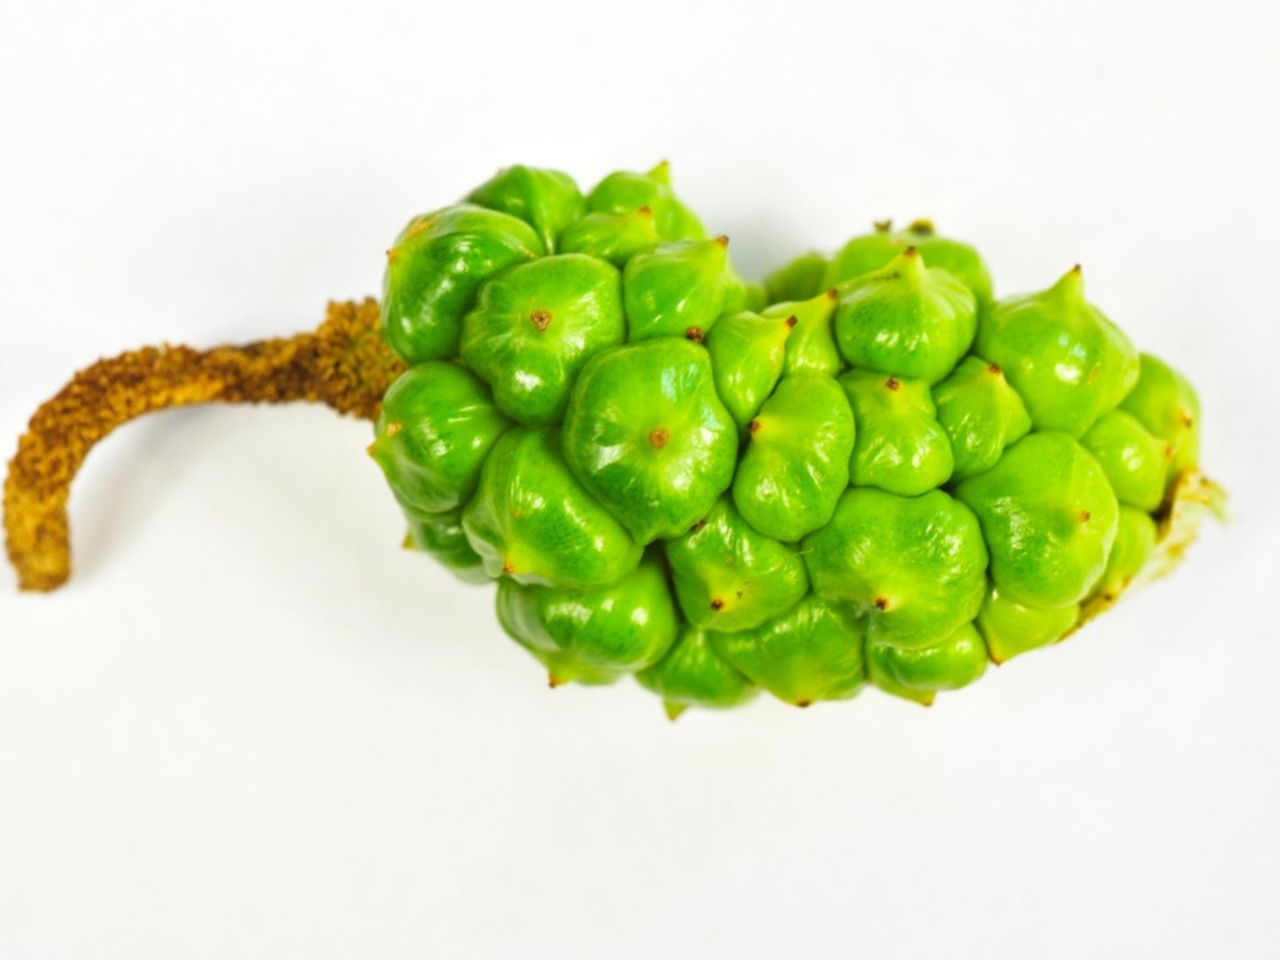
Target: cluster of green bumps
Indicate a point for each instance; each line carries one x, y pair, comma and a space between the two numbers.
865, 469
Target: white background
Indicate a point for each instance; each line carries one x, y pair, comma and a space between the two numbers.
252, 726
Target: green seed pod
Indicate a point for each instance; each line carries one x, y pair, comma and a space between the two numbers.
597, 635
797, 461
693, 674
906, 320
1011, 628
1068, 362
535, 326
623, 192
532, 521
730, 577
1134, 461
801, 279
874, 251
677, 290
747, 352
441, 535
901, 447
1164, 403
435, 268
813, 652
648, 437
741, 296
811, 348
1135, 542
547, 200
913, 566
981, 414
1049, 517
918, 673
616, 237
436, 427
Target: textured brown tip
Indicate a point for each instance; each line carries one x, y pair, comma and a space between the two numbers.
695, 334
541, 319
723, 240
717, 604
994, 369
803, 704
659, 437
645, 211
882, 603
833, 294
792, 321
754, 426
892, 383
911, 252
882, 226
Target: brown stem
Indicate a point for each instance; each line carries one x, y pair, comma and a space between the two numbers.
344, 364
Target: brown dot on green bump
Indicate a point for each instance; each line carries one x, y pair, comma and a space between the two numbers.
659, 437
540, 319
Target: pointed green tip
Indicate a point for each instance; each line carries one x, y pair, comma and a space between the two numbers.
662, 172
673, 710
1071, 284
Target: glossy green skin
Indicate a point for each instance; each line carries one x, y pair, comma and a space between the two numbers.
801, 279
434, 433
811, 348
797, 460
623, 192
1011, 628
1135, 542
918, 673
870, 252
597, 635
914, 567
694, 674
1049, 518
441, 535
812, 652
1068, 362
981, 415
615, 237
1165, 403
547, 200
647, 435
534, 327
676, 290
907, 320
1134, 461
532, 521
747, 353
436, 267
728, 576
901, 446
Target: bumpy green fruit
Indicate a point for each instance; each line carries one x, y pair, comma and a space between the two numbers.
615, 237
547, 200
1168, 407
693, 674
811, 348
1134, 461
1068, 362
1135, 541
918, 673
981, 415
441, 535
676, 290
593, 636
907, 320
747, 355
623, 192
1049, 517
1011, 628
901, 447
870, 252
801, 279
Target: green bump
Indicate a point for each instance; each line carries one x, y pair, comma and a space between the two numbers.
1068, 362
907, 320
811, 348
676, 290
536, 325
797, 459
901, 447
730, 577
547, 200
801, 279
870, 252
1049, 517
1165, 403
981, 414
812, 652
532, 521
693, 674
1135, 542
435, 268
441, 535
615, 237
623, 192
918, 673
1133, 460
1011, 628
747, 354
596, 635
914, 567
437, 425
648, 437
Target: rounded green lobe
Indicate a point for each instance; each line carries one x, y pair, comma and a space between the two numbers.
435, 269
615, 237
435, 429
676, 290
908, 320
812, 652
900, 447
647, 435
547, 200
1049, 517
1165, 403
917, 673
797, 460
1135, 542
595, 635
730, 577
693, 674
624, 191
441, 535
801, 279
981, 414
747, 352
1133, 460
914, 567
536, 325
870, 252
532, 521
811, 348
1068, 362
1011, 628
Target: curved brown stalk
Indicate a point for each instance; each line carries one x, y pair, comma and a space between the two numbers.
344, 364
